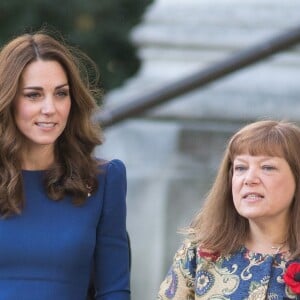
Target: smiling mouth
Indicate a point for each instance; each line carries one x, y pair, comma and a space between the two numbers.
253, 196
45, 125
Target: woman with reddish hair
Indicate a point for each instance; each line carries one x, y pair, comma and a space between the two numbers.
245, 241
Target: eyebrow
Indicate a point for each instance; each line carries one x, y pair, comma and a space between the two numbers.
40, 88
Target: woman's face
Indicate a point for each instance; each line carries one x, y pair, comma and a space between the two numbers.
263, 187
42, 104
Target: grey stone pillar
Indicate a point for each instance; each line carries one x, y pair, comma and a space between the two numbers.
173, 152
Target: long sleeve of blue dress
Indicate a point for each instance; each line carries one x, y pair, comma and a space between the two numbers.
49, 250
112, 282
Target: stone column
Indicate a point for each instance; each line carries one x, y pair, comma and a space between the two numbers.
173, 152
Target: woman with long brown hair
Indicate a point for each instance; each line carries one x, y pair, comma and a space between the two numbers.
63, 211
245, 241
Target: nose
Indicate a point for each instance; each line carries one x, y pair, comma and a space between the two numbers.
48, 106
251, 177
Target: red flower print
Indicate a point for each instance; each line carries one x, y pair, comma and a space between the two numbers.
292, 277
212, 256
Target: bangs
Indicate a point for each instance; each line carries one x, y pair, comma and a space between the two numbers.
255, 143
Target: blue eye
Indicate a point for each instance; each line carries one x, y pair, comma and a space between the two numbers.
62, 93
268, 167
32, 95
239, 168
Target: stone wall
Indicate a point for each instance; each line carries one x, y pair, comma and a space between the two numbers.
173, 152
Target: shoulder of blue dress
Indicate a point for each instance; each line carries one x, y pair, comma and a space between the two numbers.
104, 164
111, 167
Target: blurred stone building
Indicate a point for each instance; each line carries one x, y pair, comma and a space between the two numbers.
173, 151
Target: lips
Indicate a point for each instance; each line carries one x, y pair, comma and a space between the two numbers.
253, 196
45, 124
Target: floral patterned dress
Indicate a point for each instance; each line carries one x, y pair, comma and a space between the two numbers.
196, 274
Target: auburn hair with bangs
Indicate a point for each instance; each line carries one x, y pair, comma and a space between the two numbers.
218, 227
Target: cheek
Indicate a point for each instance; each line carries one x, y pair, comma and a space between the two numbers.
234, 184
235, 189
286, 192
22, 113
63, 111
66, 109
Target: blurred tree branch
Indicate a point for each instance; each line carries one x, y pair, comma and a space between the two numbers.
98, 27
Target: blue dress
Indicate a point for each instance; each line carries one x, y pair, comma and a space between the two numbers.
48, 252
243, 275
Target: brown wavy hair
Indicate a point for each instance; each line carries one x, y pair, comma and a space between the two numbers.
75, 169
218, 226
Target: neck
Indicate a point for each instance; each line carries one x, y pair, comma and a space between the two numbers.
267, 239
37, 159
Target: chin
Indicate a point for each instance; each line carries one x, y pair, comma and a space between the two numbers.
255, 217
251, 215
41, 143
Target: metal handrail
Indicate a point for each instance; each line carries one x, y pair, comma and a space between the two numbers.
258, 52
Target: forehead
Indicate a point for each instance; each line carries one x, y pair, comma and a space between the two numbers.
43, 73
